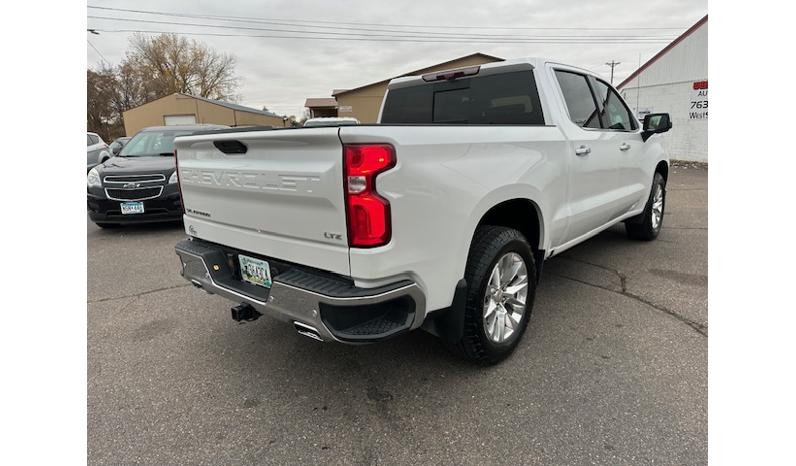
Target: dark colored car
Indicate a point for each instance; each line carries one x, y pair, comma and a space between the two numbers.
139, 185
118, 144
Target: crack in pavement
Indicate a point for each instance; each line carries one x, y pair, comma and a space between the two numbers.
698, 327
622, 278
137, 295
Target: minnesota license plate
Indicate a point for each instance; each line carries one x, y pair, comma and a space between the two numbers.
132, 208
254, 271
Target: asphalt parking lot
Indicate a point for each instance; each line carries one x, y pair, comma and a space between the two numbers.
612, 370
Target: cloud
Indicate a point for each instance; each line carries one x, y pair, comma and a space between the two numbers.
281, 73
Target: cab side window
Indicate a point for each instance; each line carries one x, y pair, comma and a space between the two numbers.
579, 99
613, 112
88, 140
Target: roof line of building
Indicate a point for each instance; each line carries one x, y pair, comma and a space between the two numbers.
418, 71
320, 102
663, 51
231, 106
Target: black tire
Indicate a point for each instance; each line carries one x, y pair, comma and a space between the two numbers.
490, 243
641, 226
108, 225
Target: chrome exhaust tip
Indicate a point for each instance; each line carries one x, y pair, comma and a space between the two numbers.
307, 331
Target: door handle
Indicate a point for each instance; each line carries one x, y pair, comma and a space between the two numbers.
583, 150
624, 146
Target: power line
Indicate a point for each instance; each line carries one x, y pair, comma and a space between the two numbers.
98, 52
327, 34
512, 39
379, 39
437, 26
336, 27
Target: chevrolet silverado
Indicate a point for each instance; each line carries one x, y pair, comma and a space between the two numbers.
438, 217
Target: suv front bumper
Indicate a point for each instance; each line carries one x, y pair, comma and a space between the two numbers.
330, 304
165, 208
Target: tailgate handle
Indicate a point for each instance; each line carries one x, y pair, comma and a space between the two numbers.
230, 146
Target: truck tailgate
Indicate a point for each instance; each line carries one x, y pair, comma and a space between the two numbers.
283, 198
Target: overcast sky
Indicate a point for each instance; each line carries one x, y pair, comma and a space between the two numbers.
281, 73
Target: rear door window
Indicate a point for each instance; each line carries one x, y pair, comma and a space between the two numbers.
499, 99
579, 99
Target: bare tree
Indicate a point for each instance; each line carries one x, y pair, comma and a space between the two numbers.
167, 63
129, 89
101, 116
155, 67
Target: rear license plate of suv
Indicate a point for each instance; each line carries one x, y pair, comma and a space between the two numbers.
132, 208
255, 271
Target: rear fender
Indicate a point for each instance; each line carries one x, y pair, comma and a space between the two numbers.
498, 196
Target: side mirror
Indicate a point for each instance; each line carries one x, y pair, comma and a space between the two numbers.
655, 123
115, 149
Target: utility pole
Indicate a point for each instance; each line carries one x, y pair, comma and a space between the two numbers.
612, 65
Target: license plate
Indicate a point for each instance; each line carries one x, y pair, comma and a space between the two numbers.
255, 271
132, 208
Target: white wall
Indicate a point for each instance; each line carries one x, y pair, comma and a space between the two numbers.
667, 85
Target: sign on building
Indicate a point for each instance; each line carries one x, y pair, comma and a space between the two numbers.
345, 109
698, 103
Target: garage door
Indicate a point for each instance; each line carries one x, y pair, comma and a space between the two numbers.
180, 120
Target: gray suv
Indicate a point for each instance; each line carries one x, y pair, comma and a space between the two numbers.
96, 152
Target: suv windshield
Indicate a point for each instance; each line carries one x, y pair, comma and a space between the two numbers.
499, 99
150, 143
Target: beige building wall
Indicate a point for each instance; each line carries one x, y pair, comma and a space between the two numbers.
364, 103
154, 113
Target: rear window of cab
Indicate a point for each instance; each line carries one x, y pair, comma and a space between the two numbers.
497, 99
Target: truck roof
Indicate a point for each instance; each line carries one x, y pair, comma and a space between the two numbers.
536, 62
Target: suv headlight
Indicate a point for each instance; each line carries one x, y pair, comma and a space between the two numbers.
173, 178
93, 180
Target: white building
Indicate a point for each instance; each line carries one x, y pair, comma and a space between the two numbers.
675, 80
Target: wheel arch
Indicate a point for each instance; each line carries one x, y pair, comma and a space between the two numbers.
514, 198
663, 169
522, 214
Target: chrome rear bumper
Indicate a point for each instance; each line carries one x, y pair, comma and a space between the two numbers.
337, 309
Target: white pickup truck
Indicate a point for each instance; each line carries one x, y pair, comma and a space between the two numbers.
438, 217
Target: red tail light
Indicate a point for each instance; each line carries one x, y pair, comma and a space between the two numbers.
368, 213
179, 186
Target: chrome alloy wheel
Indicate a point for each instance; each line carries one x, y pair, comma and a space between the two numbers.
657, 207
506, 294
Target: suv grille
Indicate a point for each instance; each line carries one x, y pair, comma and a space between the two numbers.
134, 187
121, 179
136, 194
